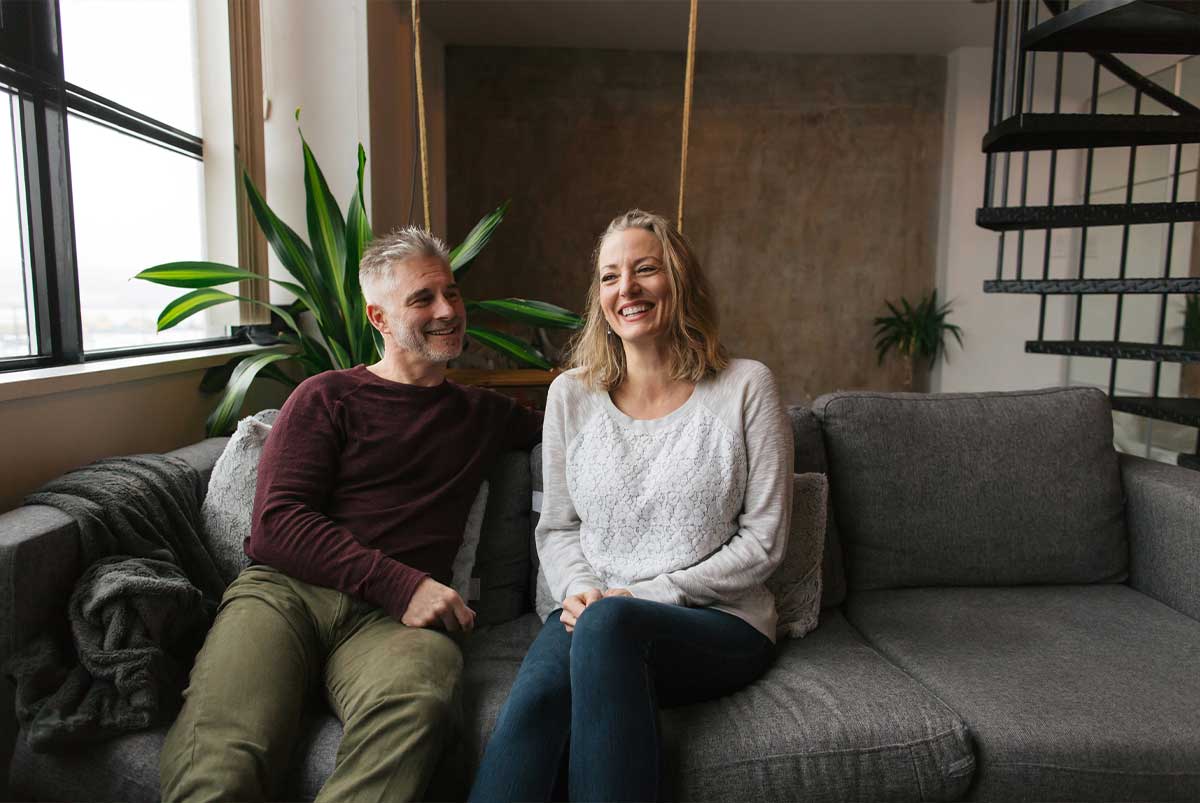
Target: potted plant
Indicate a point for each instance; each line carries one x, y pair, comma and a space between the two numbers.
327, 292
917, 333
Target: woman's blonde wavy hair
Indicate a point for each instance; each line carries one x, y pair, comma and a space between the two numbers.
695, 349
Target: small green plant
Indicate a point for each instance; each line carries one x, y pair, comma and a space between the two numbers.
916, 332
1191, 322
327, 288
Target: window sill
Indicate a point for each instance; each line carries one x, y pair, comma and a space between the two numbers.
68, 378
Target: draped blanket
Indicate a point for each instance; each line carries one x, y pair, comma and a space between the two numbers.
137, 615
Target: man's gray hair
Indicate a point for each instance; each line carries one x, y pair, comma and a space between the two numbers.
375, 270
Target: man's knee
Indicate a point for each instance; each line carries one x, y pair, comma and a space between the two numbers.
418, 670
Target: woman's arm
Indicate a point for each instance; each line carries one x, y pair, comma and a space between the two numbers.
561, 555
758, 546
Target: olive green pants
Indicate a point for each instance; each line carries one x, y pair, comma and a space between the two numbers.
275, 641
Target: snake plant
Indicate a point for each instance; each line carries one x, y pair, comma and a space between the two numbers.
326, 287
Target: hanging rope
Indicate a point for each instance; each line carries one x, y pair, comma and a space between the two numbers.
687, 107
416, 22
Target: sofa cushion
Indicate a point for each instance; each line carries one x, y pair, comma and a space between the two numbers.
502, 559
1071, 692
202, 456
126, 768
810, 457
831, 720
978, 489
491, 658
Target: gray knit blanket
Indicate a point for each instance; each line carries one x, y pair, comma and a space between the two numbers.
138, 613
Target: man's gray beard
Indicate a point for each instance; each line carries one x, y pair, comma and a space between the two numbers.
414, 340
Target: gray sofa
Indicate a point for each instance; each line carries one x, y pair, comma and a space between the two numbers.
1011, 612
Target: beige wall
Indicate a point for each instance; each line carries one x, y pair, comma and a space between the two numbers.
44, 436
812, 187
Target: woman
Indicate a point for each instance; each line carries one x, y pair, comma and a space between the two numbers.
668, 476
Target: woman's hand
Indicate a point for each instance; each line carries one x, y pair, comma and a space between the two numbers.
573, 606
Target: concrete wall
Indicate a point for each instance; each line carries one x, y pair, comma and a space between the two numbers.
811, 193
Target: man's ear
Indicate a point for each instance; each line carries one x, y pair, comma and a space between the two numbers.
378, 317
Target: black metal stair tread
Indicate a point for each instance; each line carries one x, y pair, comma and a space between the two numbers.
1120, 26
1092, 286
1016, 218
1038, 132
1179, 411
1107, 348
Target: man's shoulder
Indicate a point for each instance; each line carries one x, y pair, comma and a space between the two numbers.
326, 388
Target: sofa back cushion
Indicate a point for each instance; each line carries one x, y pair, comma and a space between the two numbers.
502, 567
810, 458
975, 489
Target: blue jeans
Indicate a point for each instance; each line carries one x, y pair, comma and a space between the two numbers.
596, 693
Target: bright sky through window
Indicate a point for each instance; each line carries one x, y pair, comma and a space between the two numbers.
135, 203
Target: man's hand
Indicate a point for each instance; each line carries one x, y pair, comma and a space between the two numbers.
573, 606
436, 605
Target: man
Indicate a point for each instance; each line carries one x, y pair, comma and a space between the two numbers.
363, 493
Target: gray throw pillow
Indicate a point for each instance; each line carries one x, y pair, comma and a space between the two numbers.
229, 503
796, 584
464, 561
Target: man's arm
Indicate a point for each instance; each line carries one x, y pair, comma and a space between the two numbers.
290, 531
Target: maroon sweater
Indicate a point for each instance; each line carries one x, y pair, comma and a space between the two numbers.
365, 484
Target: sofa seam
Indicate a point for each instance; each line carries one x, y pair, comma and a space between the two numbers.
875, 749
1093, 771
839, 396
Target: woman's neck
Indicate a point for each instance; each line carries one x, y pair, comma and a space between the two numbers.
648, 390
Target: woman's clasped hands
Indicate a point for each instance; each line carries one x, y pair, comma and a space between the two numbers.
573, 606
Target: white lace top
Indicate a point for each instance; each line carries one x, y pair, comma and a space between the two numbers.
689, 509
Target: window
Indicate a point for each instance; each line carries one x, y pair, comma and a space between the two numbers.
102, 174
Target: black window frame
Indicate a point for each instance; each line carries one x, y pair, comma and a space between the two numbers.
31, 65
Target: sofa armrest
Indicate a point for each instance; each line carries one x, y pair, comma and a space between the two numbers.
1162, 511
39, 564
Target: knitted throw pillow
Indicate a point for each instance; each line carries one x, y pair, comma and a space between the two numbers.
229, 502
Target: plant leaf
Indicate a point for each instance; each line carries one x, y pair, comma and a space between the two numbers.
534, 313
194, 274
341, 358
326, 229
189, 304
358, 236
293, 253
224, 416
209, 274
462, 254
509, 346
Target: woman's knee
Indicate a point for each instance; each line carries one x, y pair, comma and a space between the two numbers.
610, 618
